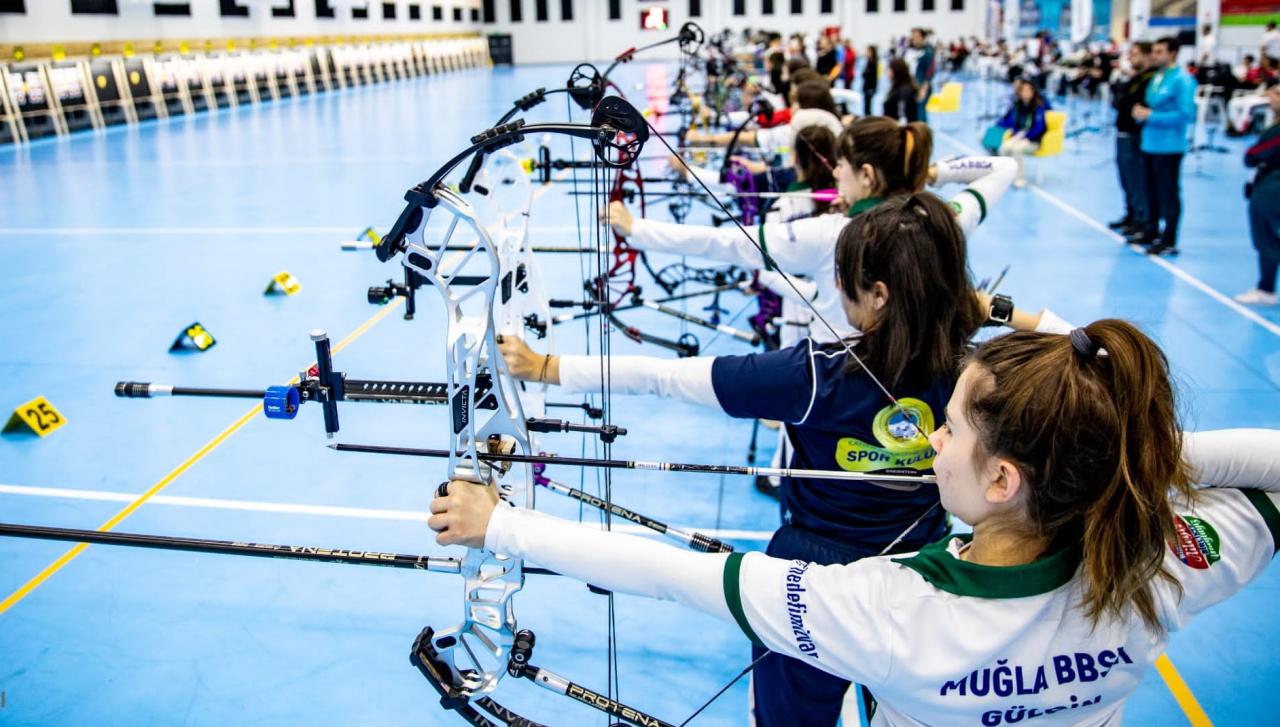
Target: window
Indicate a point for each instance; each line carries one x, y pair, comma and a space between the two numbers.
899, 6
873, 6
517, 13
490, 12
827, 7
475, 15
229, 9
288, 12
739, 7
457, 15
957, 5
172, 9
13, 6
540, 11
388, 11
437, 12
615, 9
360, 13
797, 7
766, 7
415, 12
324, 9
566, 10
926, 6
104, 7
695, 8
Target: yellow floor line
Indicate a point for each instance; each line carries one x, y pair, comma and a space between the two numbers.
1182, 693
176, 472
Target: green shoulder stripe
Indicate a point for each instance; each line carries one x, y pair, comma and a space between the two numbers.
1270, 515
733, 595
764, 249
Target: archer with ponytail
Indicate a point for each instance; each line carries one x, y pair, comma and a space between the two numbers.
904, 283
875, 160
1099, 527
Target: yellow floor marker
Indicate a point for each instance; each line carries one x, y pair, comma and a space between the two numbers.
57, 565
36, 416
283, 283
193, 338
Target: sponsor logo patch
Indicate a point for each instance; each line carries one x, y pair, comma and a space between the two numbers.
1196, 544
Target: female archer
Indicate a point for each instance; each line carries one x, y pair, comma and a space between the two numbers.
903, 282
1090, 545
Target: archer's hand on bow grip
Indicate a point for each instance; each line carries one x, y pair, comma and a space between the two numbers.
619, 218
461, 512
526, 364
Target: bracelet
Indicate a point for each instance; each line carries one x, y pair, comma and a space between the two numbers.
542, 375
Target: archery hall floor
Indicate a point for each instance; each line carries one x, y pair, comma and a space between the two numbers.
112, 243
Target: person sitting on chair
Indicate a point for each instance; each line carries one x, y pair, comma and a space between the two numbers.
1025, 119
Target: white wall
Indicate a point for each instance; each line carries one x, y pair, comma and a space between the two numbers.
52, 21
592, 36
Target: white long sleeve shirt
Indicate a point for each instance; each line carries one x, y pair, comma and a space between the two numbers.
940, 640
807, 246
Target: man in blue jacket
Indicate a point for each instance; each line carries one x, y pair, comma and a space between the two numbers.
1169, 107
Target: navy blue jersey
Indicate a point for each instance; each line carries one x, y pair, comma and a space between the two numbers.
838, 419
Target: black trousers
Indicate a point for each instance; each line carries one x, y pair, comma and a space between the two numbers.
867, 94
1162, 176
1131, 167
1264, 228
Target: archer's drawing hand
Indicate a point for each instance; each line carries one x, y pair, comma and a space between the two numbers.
619, 218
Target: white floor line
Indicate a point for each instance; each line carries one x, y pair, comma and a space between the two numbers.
1174, 270
300, 509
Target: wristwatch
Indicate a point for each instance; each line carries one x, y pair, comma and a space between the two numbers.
1001, 311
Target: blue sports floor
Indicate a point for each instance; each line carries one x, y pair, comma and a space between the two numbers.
110, 244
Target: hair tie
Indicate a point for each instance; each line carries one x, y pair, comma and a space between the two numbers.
907, 142
1083, 343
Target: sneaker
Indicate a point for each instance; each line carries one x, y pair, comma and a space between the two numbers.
1019, 183
1163, 249
1121, 224
1256, 297
1141, 238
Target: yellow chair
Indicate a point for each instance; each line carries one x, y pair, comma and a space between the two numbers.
1055, 135
1054, 139
946, 101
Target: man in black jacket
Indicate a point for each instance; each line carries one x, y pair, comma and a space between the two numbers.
1126, 94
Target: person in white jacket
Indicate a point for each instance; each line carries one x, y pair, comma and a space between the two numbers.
1084, 557
876, 159
904, 281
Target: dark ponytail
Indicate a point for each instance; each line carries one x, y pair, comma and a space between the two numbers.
914, 246
1091, 423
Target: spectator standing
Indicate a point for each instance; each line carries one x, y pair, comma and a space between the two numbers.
1271, 44
848, 63
1168, 108
902, 103
1207, 49
925, 67
1264, 205
870, 78
1126, 95
827, 63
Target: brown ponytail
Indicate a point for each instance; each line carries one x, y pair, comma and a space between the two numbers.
1091, 424
899, 154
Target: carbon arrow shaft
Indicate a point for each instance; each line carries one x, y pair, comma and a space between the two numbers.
905, 483
255, 550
